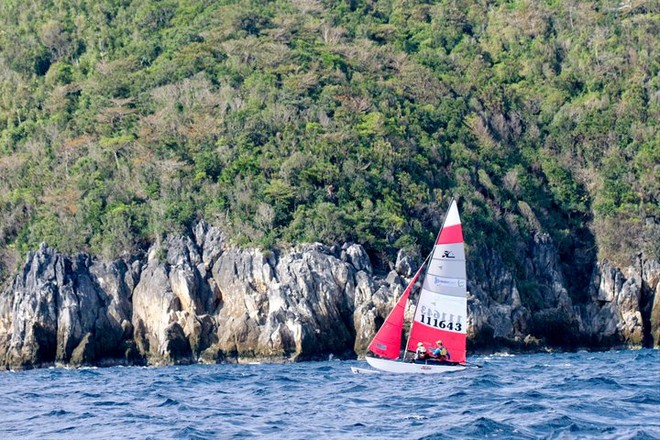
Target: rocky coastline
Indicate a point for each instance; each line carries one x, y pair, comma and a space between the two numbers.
196, 298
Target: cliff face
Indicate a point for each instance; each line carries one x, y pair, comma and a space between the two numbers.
197, 299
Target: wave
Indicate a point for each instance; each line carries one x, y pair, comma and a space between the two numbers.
510, 397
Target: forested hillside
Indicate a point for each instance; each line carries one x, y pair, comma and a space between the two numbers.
294, 121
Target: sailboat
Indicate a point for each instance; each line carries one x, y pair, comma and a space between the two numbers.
440, 312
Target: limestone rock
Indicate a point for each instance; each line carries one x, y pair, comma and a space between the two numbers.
357, 257
196, 298
300, 305
404, 265
58, 301
651, 305
84, 353
175, 346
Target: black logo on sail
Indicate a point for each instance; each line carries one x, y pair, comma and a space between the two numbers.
448, 254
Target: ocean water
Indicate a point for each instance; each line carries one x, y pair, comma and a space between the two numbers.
607, 395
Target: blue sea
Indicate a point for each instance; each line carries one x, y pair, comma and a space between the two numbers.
605, 395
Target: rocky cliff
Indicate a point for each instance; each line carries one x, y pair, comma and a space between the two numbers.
196, 298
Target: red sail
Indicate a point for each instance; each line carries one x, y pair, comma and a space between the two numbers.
387, 342
454, 342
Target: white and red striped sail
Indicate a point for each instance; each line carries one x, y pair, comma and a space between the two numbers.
442, 307
387, 342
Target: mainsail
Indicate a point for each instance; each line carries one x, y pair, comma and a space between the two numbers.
387, 342
441, 312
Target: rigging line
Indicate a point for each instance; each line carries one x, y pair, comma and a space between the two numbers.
405, 350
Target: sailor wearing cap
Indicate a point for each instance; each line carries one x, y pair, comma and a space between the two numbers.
421, 353
440, 353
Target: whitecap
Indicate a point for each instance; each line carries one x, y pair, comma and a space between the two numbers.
415, 417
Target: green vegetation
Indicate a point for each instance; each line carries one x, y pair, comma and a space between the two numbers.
307, 120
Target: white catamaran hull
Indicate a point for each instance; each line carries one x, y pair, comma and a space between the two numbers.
409, 367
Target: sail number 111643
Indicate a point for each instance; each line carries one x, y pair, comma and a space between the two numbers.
441, 320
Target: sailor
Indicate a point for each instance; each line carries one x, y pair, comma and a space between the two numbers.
441, 353
421, 353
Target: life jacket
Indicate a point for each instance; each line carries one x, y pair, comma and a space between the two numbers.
443, 355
